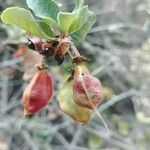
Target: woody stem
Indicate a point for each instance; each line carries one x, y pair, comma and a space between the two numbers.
73, 52
74, 49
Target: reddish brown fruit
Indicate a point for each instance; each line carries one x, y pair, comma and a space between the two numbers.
38, 93
67, 105
87, 90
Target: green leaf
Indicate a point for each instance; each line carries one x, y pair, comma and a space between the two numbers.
46, 28
44, 8
65, 20
80, 34
66, 103
80, 20
49, 21
23, 19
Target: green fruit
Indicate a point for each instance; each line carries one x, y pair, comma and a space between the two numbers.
66, 103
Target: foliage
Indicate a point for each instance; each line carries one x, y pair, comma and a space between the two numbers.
76, 24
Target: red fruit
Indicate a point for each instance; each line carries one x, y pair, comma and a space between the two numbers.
38, 93
87, 90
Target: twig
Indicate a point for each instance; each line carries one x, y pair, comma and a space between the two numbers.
116, 99
101, 68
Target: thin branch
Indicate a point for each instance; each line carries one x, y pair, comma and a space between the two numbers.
117, 99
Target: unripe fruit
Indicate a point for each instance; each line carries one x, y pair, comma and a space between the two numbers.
87, 90
38, 93
66, 103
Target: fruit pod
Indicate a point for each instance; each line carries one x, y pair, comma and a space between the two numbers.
87, 90
38, 92
66, 103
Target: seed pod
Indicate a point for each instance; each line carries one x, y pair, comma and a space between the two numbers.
38, 93
87, 91
66, 103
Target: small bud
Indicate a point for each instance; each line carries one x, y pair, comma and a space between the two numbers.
87, 90
35, 43
38, 92
31, 44
66, 103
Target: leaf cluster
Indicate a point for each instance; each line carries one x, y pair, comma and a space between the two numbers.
48, 19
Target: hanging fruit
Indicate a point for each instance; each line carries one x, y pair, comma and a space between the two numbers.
87, 90
66, 103
38, 92
55, 37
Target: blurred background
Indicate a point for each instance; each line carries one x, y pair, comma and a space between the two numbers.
119, 48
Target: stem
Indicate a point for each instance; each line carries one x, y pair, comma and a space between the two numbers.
73, 52
74, 49
75, 55
70, 54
